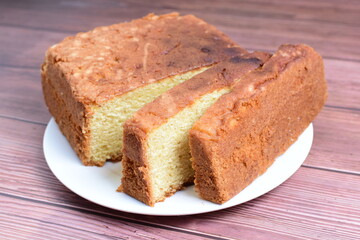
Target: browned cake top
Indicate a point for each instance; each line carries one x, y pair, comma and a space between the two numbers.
222, 75
223, 115
112, 60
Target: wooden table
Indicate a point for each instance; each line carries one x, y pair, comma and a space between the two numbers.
321, 201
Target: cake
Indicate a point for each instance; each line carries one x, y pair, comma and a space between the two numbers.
239, 136
156, 161
180, 103
94, 81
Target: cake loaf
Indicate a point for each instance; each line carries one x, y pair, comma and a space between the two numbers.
239, 136
156, 160
94, 81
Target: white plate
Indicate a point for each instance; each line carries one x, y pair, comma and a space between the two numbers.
99, 184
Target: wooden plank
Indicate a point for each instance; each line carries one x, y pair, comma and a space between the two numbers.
27, 219
336, 141
343, 80
21, 95
108, 11
26, 48
86, 14
325, 204
282, 214
300, 206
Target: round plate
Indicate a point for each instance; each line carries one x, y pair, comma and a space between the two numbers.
99, 184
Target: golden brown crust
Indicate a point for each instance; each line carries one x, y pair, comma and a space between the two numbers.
90, 68
223, 74
67, 112
156, 113
136, 183
239, 137
110, 61
138, 179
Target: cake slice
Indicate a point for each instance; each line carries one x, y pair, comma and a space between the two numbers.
94, 81
156, 160
239, 136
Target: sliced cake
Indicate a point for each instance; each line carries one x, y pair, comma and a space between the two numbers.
156, 160
94, 81
239, 136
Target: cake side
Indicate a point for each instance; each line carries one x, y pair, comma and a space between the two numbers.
240, 136
156, 137
100, 70
70, 115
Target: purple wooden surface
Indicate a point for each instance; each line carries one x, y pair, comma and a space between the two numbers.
321, 201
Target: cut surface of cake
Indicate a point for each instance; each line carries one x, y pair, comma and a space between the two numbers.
156, 160
94, 81
240, 136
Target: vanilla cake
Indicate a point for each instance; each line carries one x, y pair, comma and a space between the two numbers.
156, 160
239, 136
94, 81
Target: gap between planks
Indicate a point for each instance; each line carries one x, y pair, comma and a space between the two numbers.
330, 170
23, 120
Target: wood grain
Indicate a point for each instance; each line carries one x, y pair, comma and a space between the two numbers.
21, 95
40, 220
61, 15
343, 83
337, 132
26, 54
320, 201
